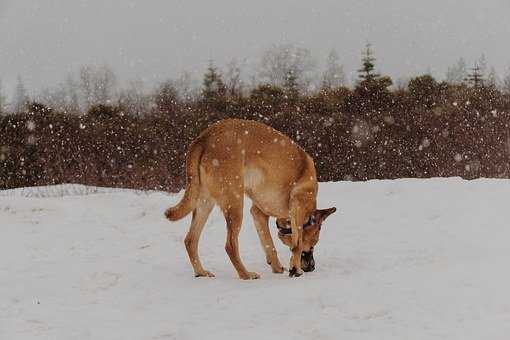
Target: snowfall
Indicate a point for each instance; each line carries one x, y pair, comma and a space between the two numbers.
403, 259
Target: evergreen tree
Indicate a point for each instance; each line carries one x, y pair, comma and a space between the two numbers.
20, 99
214, 90
333, 75
475, 78
213, 86
366, 73
371, 94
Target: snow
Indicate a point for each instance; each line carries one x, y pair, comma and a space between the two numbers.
404, 259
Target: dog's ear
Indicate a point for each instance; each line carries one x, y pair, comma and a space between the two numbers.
324, 213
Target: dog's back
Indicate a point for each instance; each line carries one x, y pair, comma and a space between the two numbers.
241, 156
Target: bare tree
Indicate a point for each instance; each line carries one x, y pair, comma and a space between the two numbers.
64, 98
506, 82
233, 80
492, 78
133, 99
402, 83
20, 99
72, 89
97, 84
86, 79
166, 97
2, 98
457, 73
333, 75
482, 64
187, 86
281, 60
104, 84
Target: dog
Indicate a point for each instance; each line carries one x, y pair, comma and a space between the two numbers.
235, 157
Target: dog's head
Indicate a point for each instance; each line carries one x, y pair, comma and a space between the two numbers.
311, 230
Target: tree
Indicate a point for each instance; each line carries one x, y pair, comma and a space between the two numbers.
291, 86
187, 86
2, 98
233, 81
482, 64
457, 73
267, 94
64, 98
475, 78
506, 82
333, 75
72, 94
166, 98
104, 84
20, 99
279, 61
133, 98
425, 90
492, 78
371, 92
213, 87
366, 72
97, 84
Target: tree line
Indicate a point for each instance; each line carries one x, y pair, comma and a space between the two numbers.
84, 132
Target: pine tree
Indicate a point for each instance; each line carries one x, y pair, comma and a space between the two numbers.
366, 73
213, 86
333, 75
20, 99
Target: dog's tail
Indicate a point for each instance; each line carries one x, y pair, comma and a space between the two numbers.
188, 202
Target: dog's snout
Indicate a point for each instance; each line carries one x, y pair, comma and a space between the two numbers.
307, 261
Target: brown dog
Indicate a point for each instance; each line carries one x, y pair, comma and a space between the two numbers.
236, 157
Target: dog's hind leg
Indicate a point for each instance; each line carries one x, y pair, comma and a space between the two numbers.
200, 215
234, 218
261, 224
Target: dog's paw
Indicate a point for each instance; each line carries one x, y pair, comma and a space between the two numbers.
278, 270
293, 272
250, 276
205, 273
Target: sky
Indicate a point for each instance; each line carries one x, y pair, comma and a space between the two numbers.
151, 40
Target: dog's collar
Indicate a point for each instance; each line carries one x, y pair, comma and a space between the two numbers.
287, 231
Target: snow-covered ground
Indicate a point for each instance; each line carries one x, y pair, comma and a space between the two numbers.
405, 259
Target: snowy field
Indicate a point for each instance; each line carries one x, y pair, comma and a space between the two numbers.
405, 259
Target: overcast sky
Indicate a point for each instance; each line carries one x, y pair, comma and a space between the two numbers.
42, 40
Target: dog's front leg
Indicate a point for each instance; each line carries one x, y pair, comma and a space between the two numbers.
261, 224
297, 219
